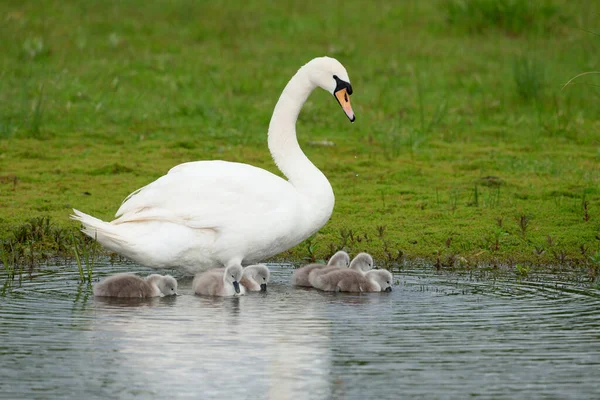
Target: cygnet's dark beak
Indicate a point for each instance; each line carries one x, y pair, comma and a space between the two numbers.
388, 289
263, 287
236, 286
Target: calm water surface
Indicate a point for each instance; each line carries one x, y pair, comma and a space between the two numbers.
435, 336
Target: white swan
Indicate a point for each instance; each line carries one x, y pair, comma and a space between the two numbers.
206, 214
219, 282
129, 285
300, 276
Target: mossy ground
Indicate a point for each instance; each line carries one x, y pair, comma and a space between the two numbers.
465, 147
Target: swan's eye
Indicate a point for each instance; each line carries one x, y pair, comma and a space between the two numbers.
388, 282
232, 276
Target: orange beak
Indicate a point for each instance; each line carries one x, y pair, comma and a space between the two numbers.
344, 99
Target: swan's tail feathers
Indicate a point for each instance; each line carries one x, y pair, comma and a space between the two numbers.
104, 232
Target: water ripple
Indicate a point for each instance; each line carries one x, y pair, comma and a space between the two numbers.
435, 336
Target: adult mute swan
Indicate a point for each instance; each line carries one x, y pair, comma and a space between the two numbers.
206, 214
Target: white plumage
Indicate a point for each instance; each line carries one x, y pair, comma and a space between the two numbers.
207, 214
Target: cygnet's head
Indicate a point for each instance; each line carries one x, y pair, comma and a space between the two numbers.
232, 276
362, 261
339, 259
384, 279
260, 273
329, 74
167, 285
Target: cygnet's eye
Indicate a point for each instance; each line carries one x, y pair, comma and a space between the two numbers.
388, 282
264, 279
232, 276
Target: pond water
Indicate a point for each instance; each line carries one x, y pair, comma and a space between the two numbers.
435, 336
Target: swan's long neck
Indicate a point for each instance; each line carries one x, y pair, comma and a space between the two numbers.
283, 144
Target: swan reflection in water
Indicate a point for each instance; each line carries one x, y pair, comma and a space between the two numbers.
263, 344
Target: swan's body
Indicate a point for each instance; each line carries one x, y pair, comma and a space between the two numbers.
129, 285
207, 214
300, 276
219, 282
255, 278
348, 280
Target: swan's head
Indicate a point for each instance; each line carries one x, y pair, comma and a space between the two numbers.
362, 262
329, 74
167, 285
232, 276
339, 259
260, 273
383, 278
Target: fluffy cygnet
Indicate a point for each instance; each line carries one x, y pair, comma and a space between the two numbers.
219, 282
300, 276
363, 262
347, 280
129, 285
255, 278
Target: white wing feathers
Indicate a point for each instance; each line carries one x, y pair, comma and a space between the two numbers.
208, 194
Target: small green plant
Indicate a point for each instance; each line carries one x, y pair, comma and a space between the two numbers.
448, 242
310, 246
529, 78
475, 201
390, 254
523, 221
494, 240
8, 261
595, 267
344, 235
560, 256
586, 214
85, 255
454, 196
539, 249
522, 270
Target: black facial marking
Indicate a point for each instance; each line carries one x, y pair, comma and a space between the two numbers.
341, 85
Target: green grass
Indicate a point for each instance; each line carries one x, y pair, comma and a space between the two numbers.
466, 148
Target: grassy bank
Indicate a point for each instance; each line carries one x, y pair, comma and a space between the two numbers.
465, 149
